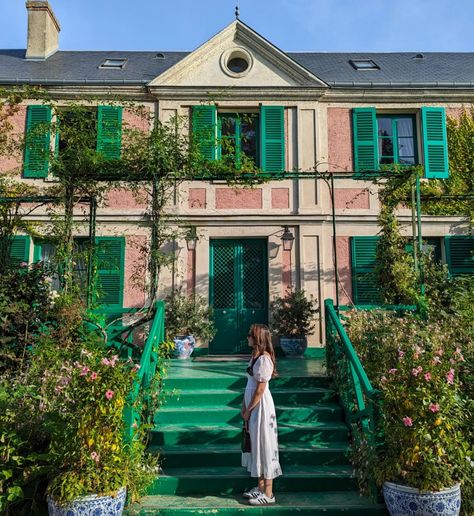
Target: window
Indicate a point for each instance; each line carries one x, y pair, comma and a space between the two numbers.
460, 254
259, 136
364, 64
238, 136
382, 139
73, 123
396, 139
114, 64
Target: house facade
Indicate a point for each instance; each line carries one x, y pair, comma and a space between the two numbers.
341, 113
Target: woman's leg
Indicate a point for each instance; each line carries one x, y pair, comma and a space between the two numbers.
268, 487
261, 484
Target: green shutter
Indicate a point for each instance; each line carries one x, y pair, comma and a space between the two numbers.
37, 143
20, 249
204, 126
364, 286
110, 271
109, 131
272, 144
460, 254
366, 149
435, 148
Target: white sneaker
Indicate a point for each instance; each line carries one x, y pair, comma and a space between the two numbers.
252, 493
262, 499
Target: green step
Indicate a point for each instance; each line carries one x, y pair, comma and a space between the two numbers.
213, 414
225, 455
317, 434
234, 480
310, 504
235, 382
227, 397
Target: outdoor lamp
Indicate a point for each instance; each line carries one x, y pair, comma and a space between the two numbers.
191, 238
287, 238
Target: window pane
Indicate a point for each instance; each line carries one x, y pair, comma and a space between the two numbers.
405, 127
386, 149
406, 151
385, 126
248, 136
228, 128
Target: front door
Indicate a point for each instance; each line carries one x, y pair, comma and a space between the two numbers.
238, 292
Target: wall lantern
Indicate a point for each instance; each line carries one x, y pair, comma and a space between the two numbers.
287, 238
191, 238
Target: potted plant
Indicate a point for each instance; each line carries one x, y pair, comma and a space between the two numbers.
83, 395
292, 318
187, 319
424, 454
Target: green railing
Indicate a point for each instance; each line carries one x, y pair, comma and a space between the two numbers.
140, 394
360, 401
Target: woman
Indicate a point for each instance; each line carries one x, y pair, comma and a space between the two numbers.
258, 411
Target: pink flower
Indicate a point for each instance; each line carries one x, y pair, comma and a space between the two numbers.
136, 367
105, 361
439, 352
94, 376
23, 264
109, 394
434, 407
428, 377
450, 377
416, 371
401, 354
84, 371
407, 421
392, 371
436, 360
383, 379
95, 456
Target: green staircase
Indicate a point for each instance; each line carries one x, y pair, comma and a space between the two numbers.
197, 434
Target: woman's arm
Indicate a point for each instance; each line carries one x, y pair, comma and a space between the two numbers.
257, 396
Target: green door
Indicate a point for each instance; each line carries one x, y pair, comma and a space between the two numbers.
238, 292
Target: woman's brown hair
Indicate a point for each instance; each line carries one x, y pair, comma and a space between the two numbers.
262, 342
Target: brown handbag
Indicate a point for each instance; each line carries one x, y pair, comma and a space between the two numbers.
246, 446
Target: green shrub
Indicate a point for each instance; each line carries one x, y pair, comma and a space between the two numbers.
293, 315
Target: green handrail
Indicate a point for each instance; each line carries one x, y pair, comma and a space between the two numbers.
140, 394
360, 401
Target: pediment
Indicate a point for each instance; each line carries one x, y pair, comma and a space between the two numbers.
210, 64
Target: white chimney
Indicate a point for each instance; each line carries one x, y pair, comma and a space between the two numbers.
43, 30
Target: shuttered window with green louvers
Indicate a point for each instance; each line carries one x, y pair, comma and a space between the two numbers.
110, 254
364, 285
459, 254
435, 149
20, 249
272, 130
366, 155
109, 131
37, 142
204, 127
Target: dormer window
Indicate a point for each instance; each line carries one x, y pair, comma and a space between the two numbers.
364, 64
114, 64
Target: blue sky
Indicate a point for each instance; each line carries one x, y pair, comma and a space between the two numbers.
292, 25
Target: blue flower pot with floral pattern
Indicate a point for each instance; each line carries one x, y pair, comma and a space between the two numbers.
293, 346
407, 501
92, 505
183, 346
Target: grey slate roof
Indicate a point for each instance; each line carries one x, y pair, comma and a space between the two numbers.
436, 69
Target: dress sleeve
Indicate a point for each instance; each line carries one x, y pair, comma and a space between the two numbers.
263, 369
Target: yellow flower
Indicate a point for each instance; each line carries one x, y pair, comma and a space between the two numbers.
438, 422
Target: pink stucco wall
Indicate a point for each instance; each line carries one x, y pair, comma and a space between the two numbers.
197, 198
280, 198
235, 198
339, 139
135, 272
351, 198
344, 268
136, 120
18, 122
122, 198
454, 112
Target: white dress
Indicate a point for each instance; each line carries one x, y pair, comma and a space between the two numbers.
263, 458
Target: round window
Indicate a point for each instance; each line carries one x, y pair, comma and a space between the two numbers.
237, 65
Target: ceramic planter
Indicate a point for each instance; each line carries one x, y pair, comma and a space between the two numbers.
92, 505
183, 346
407, 501
293, 346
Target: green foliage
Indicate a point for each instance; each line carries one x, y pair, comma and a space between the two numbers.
188, 315
293, 315
419, 367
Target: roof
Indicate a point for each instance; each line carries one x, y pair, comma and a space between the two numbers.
397, 69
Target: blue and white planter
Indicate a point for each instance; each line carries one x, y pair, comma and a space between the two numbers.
293, 346
183, 346
407, 501
92, 505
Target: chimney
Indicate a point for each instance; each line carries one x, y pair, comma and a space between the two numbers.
43, 30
